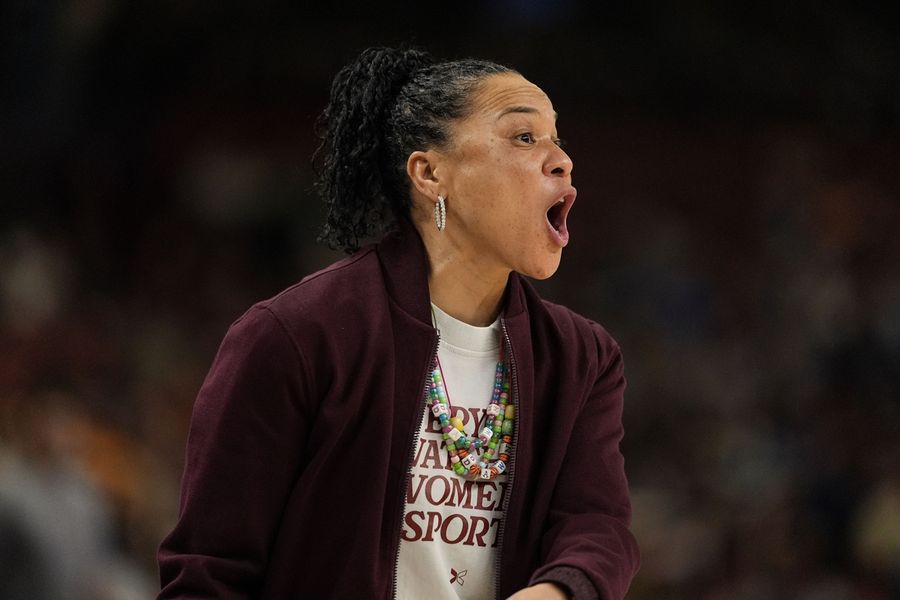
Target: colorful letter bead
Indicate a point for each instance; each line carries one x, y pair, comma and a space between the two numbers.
485, 435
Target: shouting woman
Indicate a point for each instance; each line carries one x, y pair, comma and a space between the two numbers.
414, 421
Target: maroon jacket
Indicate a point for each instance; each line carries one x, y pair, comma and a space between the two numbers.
302, 437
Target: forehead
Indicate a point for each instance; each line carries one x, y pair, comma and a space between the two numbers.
505, 93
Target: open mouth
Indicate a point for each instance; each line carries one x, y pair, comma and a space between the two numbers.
556, 217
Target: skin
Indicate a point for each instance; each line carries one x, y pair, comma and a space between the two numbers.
501, 172
541, 591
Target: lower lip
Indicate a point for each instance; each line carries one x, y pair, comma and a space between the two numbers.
561, 237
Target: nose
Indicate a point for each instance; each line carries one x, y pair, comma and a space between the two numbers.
558, 163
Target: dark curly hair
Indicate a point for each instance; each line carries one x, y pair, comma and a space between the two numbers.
384, 105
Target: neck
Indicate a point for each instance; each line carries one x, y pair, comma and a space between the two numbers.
459, 283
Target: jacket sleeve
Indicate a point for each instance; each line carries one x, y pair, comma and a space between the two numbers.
243, 455
588, 548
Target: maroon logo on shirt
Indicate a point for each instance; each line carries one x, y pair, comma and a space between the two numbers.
457, 577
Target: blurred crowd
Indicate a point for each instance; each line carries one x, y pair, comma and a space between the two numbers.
156, 182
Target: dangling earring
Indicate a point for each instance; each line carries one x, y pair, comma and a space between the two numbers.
440, 213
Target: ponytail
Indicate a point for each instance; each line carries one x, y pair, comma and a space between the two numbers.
383, 106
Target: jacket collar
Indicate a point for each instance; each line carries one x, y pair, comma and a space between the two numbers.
404, 262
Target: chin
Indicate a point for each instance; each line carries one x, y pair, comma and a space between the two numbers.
543, 269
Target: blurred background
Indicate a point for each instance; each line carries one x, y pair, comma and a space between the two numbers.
737, 230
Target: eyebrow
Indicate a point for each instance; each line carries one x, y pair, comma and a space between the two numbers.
523, 109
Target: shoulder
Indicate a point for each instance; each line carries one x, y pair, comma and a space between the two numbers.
593, 336
580, 339
302, 323
328, 296
593, 332
334, 284
322, 305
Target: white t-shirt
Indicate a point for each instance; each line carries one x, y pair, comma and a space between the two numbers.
450, 525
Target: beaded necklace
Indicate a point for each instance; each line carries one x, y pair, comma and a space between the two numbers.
494, 441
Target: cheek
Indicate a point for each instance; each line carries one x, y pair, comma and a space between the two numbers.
483, 176
497, 187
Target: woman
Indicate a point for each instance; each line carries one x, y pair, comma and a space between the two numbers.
414, 421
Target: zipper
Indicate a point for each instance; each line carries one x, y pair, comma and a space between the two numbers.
512, 458
412, 455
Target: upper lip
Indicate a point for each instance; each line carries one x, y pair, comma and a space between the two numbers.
567, 197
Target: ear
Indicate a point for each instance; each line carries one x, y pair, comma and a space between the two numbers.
421, 168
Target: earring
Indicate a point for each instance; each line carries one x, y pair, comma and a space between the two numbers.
440, 213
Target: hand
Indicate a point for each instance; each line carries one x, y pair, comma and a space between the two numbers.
541, 591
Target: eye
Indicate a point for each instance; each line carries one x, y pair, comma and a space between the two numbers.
559, 142
526, 137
